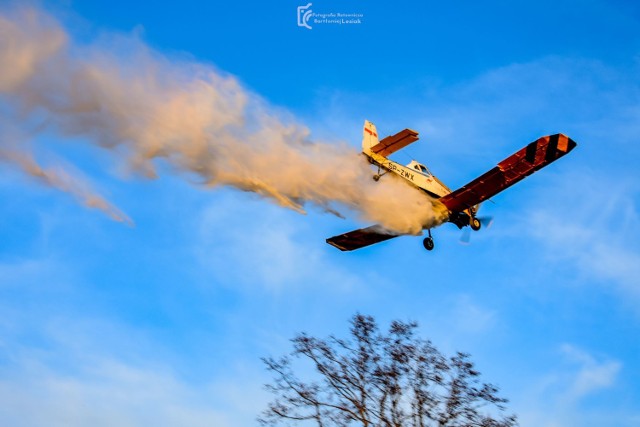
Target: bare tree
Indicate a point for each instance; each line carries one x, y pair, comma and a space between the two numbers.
380, 380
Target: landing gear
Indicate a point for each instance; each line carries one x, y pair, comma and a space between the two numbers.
474, 223
377, 176
428, 242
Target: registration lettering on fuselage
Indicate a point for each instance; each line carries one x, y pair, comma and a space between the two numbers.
400, 171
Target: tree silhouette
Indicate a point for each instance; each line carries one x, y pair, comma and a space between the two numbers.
380, 380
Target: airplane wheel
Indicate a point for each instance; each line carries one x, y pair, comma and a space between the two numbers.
475, 224
428, 243
376, 177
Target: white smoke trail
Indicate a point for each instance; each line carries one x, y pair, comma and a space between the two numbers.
60, 179
123, 96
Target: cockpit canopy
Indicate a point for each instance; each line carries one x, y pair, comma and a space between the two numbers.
420, 168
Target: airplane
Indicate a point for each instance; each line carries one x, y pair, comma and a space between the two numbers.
462, 204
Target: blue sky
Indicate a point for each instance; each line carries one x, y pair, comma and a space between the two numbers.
164, 323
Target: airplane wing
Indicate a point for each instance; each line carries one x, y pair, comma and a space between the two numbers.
393, 143
360, 238
514, 168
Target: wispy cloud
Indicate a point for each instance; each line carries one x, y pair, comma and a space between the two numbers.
62, 364
105, 393
465, 123
588, 219
267, 248
559, 397
472, 318
592, 375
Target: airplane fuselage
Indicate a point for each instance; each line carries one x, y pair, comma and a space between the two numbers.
419, 176
412, 173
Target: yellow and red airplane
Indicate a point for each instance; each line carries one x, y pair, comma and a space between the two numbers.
462, 204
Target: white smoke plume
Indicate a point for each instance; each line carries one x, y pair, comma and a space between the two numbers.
142, 106
60, 179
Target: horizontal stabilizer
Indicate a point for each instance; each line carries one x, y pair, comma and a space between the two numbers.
393, 143
514, 168
360, 238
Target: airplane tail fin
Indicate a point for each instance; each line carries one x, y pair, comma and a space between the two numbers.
369, 137
389, 144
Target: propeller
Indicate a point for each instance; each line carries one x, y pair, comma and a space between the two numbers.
465, 238
486, 222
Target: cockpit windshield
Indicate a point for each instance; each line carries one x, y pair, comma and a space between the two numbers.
422, 168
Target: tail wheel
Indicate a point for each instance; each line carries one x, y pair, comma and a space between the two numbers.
376, 177
474, 223
428, 243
